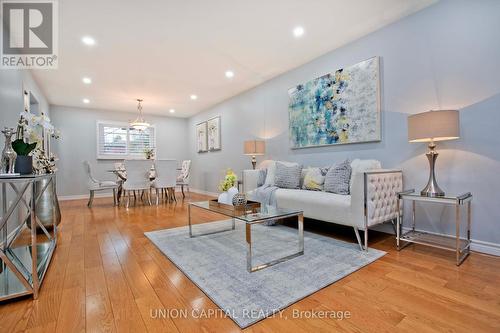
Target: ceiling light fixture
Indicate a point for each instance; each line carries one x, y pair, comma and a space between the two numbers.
193, 97
87, 80
86, 100
87, 40
298, 31
229, 74
172, 110
139, 123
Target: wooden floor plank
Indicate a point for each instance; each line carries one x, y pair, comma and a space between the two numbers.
106, 276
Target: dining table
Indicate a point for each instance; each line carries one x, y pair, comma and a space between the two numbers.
122, 177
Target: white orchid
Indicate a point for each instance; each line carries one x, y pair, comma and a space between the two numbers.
30, 130
27, 115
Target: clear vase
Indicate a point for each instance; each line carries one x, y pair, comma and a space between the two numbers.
47, 207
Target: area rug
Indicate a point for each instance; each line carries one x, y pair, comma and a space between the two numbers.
217, 265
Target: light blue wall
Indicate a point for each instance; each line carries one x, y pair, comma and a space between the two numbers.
446, 56
79, 141
12, 85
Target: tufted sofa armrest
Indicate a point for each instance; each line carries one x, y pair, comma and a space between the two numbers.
374, 196
250, 180
381, 195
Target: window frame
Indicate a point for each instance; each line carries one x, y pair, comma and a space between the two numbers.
127, 155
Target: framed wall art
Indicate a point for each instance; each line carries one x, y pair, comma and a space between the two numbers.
341, 107
214, 133
201, 137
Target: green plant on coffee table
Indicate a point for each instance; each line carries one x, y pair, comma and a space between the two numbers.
229, 181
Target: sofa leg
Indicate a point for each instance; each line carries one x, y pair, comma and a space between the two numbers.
356, 232
366, 239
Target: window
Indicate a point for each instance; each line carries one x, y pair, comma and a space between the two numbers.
119, 141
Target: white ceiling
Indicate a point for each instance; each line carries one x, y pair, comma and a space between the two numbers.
165, 50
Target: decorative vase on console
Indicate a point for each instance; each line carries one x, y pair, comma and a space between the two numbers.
8, 154
26, 132
228, 188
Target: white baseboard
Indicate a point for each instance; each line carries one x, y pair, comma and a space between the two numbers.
84, 196
476, 245
485, 247
195, 190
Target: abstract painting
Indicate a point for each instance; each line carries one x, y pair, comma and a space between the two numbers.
337, 108
201, 137
214, 134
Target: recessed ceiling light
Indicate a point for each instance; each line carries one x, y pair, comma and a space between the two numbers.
87, 40
298, 31
171, 110
87, 80
229, 74
86, 100
193, 97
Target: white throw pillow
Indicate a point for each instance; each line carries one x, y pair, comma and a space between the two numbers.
361, 166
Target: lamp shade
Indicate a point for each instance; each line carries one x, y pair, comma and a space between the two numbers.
438, 125
254, 147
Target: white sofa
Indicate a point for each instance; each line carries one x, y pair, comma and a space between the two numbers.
372, 199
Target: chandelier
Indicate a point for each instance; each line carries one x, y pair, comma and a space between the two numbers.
139, 123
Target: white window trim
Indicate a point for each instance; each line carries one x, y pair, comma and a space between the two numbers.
126, 156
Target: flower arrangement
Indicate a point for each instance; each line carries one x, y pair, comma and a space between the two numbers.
29, 132
230, 180
42, 163
150, 153
29, 143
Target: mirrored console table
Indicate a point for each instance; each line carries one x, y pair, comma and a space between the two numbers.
24, 254
460, 245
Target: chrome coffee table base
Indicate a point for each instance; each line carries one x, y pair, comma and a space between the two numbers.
248, 231
263, 215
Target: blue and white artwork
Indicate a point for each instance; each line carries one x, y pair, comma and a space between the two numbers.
337, 108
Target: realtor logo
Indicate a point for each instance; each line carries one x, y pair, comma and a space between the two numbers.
29, 34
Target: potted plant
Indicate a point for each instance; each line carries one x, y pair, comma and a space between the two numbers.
228, 188
28, 137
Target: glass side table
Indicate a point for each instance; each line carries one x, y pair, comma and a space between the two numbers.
24, 255
458, 244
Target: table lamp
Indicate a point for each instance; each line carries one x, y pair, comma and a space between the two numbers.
254, 148
433, 126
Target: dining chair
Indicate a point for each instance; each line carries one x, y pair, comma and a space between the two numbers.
94, 185
138, 173
166, 178
183, 178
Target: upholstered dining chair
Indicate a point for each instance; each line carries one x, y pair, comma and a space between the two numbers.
138, 173
183, 178
94, 185
166, 177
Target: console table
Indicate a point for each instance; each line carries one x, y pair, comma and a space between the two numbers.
458, 244
24, 255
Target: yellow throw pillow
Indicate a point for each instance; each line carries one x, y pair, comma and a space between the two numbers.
314, 179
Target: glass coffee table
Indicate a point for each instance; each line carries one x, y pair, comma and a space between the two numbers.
250, 217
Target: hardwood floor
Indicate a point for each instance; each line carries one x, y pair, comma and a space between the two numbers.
107, 276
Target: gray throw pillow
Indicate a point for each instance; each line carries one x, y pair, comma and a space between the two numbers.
338, 177
288, 176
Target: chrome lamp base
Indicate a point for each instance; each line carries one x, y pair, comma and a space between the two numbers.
432, 189
254, 162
